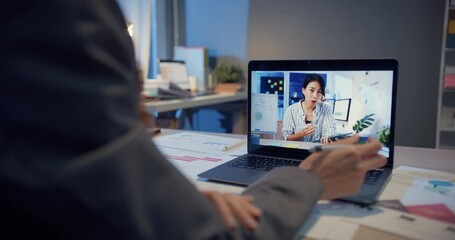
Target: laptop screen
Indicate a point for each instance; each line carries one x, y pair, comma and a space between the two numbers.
297, 104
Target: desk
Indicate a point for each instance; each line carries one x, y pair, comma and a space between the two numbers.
433, 159
427, 158
237, 118
200, 101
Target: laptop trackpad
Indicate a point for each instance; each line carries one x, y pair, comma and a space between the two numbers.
239, 176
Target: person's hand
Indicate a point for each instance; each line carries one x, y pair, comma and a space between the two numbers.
308, 130
233, 208
326, 141
342, 171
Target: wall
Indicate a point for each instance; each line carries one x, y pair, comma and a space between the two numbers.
221, 26
138, 13
409, 31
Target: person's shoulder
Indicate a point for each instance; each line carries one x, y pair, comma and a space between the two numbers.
292, 108
294, 105
324, 106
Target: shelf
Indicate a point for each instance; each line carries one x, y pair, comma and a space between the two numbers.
449, 69
445, 132
447, 129
449, 90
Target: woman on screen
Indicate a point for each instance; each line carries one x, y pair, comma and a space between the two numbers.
310, 119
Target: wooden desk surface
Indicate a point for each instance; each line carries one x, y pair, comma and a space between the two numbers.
427, 158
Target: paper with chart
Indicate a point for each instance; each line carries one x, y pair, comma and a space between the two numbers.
193, 153
327, 221
422, 192
197, 142
191, 163
340, 220
265, 114
431, 198
419, 203
407, 225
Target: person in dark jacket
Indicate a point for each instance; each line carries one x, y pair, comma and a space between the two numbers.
76, 163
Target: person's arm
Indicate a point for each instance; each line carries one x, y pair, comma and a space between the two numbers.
288, 124
307, 131
342, 171
289, 129
235, 209
74, 156
287, 195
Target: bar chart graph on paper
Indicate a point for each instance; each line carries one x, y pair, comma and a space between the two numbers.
196, 142
191, 163
431, 198
186, 158
193, 153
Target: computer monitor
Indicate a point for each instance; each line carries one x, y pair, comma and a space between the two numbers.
341, 109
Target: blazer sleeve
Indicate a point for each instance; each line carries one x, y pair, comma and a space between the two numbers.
286, 197
74, 157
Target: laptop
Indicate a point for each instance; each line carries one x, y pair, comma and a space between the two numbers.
361, 94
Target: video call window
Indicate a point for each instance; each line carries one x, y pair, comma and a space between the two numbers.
351, 95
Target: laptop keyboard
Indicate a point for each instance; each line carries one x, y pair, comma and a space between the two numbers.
372, 176
262, 163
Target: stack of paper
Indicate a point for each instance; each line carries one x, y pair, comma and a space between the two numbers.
196, 59
193, 153
416, 204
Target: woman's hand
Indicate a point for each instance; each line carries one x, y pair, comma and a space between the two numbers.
326, 141
233, 208
342, 171
308, 130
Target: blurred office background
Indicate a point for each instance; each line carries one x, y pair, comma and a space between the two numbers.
235, 31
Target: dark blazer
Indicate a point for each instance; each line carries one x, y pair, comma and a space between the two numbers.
75, 162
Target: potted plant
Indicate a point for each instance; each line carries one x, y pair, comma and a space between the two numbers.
384, 136
363, 123
227, 78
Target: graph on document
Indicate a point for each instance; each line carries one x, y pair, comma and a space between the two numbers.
195, 142
192, 159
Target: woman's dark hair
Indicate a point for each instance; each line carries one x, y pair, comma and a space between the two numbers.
314, 77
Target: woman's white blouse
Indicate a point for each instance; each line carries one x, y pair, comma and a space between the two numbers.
294, 121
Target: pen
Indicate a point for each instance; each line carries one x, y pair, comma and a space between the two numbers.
321, 148
153, 131
231, 146
411, 219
